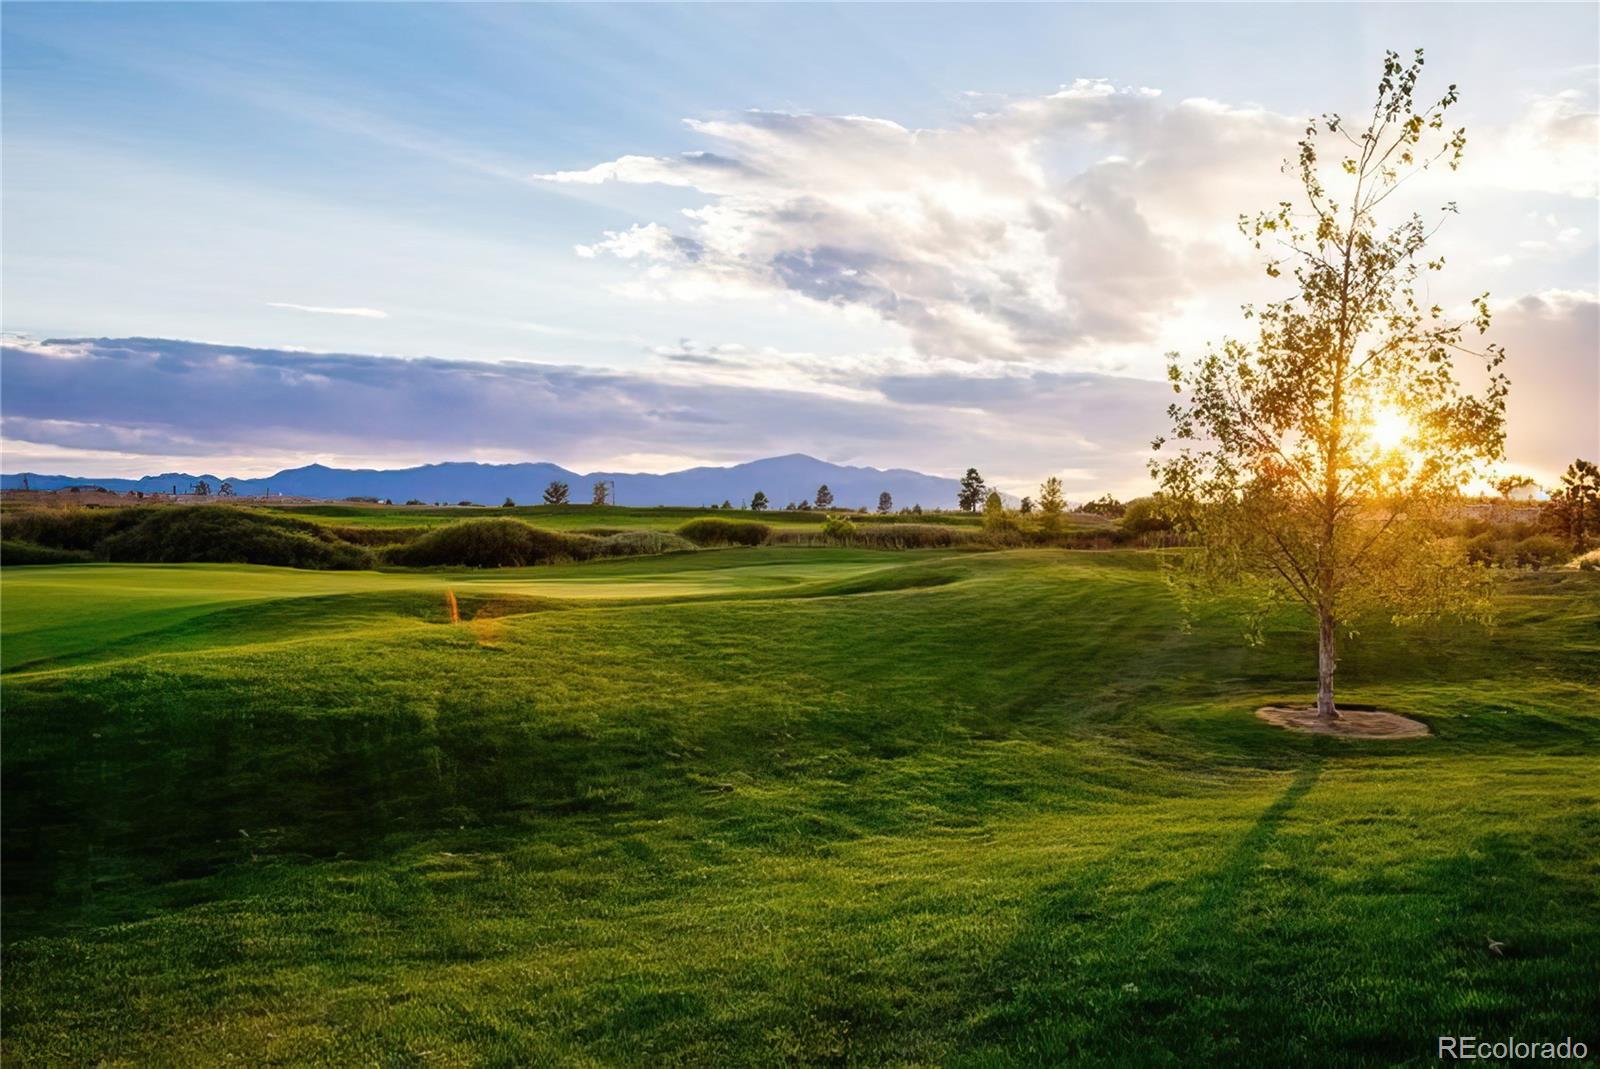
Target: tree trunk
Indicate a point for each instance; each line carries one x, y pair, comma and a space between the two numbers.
1327, 659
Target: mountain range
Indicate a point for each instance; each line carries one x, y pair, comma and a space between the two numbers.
784, 479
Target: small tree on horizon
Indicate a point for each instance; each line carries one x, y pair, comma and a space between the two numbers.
556, 493
601, 494
1026, 506
885, 503
994, 512
1052, 502
1314, 462
508, 504
824, 497
759, 502
971, 494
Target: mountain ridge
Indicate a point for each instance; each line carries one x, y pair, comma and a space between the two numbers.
790, 477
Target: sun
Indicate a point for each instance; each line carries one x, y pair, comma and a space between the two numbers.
1390, 427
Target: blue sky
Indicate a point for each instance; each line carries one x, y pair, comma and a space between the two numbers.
491, 183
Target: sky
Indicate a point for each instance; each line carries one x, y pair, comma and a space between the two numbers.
648, 237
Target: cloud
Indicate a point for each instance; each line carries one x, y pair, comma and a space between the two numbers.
183, 403
1552, 342
363, 313
1044, 226
1056, 228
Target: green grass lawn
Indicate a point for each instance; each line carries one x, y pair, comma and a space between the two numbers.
808, 805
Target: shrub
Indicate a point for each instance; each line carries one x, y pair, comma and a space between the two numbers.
377, 536
496, 543
719, 532
642, 543
1143, 515
889, 536
80, 529
839, 529
28, 553
1540, 551
225, 535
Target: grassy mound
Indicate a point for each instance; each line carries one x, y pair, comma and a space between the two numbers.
496, 543
27, 553
711, 531
219, 535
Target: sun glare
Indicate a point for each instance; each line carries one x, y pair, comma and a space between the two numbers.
1390, 427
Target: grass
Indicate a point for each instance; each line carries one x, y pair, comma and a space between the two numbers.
777, 804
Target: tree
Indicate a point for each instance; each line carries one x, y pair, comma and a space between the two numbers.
804, 505
555, 493
201, 488
225, 490
508, 504
916, 509
994, 513
1026, 506
1052, 503
971, 494
824, 497
600, 494
1510, 484
885, 503
1104, 505
1314, 462
759, 502
1575, 504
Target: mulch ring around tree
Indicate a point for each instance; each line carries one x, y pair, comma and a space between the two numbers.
1354, 722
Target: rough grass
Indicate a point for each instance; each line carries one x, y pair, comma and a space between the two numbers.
812, 805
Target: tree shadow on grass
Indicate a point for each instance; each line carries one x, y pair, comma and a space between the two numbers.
1099, 973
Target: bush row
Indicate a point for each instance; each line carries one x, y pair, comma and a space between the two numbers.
227, 535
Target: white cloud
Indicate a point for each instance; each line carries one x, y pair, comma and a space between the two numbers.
363, 313
1089, 227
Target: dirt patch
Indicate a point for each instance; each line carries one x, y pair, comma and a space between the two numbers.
1352, 723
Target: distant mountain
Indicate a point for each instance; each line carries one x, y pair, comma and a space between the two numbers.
783, 479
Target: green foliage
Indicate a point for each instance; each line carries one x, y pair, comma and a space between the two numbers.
824, 497
556, 493
638, 543
839, 529
720, 532
491, 543
759, 502
1104, 505
1051, 503
1146, 514
226, 535
885, 503
1315, 463
972, 492
27, 553
1574, 507
994, 513
77, 529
